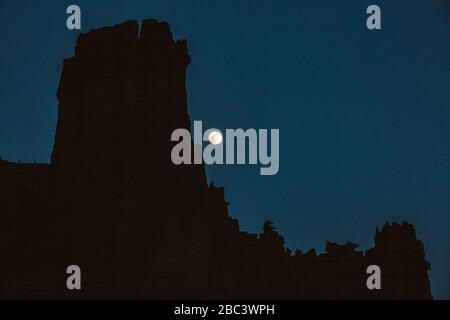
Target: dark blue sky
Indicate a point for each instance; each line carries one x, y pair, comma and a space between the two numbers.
364, 116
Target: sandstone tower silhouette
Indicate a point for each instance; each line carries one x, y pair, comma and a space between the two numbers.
112, 202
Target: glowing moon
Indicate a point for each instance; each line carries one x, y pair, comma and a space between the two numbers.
215, 137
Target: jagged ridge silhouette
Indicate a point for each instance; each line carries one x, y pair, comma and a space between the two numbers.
112, 202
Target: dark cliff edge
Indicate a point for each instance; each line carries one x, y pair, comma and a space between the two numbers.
112, 202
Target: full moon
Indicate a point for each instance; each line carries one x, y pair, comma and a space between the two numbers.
215, 137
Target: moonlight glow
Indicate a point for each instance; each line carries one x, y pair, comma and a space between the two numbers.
215, 137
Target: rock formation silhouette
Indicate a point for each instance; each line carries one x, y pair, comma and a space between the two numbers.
112, 202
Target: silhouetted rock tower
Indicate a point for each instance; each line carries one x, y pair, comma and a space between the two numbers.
120, 98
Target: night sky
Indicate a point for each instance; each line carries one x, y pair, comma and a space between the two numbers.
364, 116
